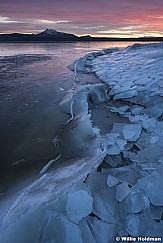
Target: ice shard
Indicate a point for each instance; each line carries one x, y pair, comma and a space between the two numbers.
79, 205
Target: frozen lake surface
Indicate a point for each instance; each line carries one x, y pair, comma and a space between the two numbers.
103, 143
33, 79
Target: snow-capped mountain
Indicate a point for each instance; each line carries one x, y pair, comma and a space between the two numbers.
50, 33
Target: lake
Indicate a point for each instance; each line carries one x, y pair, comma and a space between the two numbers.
33, 80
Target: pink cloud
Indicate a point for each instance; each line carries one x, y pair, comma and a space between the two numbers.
82, 15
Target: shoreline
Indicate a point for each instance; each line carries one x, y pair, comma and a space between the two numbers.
114, 40
114, 180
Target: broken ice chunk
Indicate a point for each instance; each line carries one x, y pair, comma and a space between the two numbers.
126, 94
122, 190
128, 134
123, 108
115, 145
116, 148
112, 181
131, 132
137, 200
104, 200
136, 110
120, 110
111, 138
79, 205
113, 160
149, 153
132, 224
117, 88
121, 143
129, 174
152, 185
113, 149
149, 122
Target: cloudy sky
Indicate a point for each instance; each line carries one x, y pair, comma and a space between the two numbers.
115, 18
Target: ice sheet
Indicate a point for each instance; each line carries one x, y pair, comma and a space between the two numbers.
112, 181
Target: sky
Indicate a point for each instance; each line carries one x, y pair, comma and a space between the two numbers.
110, 18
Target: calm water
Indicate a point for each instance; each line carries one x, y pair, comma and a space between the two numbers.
8, 49
33, 79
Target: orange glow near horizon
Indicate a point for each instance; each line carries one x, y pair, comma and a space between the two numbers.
102, 18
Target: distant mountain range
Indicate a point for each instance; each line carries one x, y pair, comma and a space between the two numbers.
50, 35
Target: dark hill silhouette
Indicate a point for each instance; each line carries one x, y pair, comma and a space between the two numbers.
50, 35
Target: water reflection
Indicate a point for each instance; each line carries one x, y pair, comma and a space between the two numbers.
7, 49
